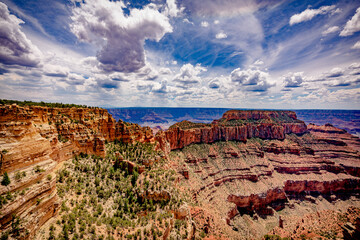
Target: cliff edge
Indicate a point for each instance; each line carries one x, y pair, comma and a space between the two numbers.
35, 140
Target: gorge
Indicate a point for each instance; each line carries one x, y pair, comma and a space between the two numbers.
238, 175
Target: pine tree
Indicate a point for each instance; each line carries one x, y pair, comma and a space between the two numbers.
6, 179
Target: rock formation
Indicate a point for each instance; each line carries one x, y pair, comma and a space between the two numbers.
236, 125
34, 140
246, 163
274, 160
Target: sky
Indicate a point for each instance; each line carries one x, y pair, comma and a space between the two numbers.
182, 53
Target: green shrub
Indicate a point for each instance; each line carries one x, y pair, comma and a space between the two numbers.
38, 169
6, 180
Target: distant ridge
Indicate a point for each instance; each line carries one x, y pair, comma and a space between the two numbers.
167, 116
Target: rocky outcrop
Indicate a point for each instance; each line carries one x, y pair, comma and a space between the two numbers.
258, 201
236, 125
285, 162
62, 131
34, 140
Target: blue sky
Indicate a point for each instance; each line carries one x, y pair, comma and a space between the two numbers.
211, 53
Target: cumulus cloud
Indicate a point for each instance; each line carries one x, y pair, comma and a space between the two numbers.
15, 47
356, 45
293, 80
330, 30
120, 77
120, 36
335, 72
172, 9
251, 80
147, 73
309, 14
188, 75
75, 79
221, 35
103, 81
165, 71
144, 87
162, 89
55, 70
354, 66
339, 83
214, 84
352, 26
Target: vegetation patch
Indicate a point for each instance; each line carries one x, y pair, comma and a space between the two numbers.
102, 199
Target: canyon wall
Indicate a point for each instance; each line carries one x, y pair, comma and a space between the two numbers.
35, 140
275, 160
236, 125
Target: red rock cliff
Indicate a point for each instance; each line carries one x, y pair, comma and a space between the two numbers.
34, 140
236, 125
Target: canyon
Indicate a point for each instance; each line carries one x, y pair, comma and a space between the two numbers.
242, 172
36, 140
262, 163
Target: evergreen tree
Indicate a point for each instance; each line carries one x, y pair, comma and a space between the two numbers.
6, 179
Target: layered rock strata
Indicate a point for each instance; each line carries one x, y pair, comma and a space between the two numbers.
261, 173
34, 140
236, 125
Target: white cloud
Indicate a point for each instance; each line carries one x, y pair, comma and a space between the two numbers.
119, 77
293, 80
251, 80
171, 8
352, 26
55, 70
221, 35
214, 84
258, 62
354, 66
204, 24
15, 47
162, 89
335, 72
120, 37
216, 22
188, 75
330, 30
185, 20
165, 71
309, 14
356, 45
323, 95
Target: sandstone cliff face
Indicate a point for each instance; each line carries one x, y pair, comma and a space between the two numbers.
236, 125
275, 161
34, 140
